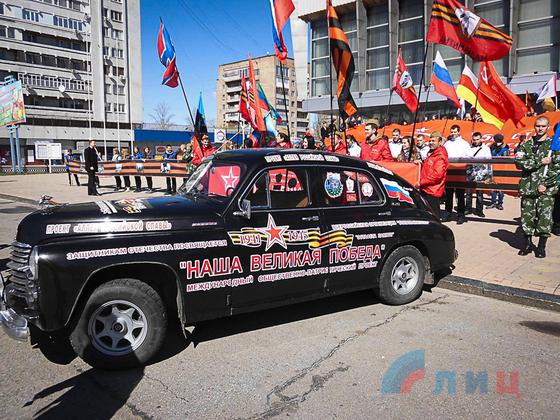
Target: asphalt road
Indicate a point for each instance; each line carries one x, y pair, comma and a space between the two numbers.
321, 360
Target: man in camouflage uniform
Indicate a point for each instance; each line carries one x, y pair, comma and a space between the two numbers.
537, 187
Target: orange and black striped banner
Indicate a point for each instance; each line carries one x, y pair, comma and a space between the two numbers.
172, 168
343, 63
496, 174
454, 25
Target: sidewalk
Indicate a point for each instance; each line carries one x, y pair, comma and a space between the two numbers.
488, 262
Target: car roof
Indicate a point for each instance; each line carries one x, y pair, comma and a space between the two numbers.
254, 158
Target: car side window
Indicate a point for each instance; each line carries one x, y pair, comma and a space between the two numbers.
280, 188
368, 189
348, 188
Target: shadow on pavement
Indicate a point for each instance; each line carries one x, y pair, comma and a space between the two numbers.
513, 239
91, 394
238, 324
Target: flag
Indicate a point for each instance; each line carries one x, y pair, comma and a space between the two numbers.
441, 79
167, 57
269, 123
507, 103
555, 145
257, 120
454, 25
200, 121
529, 101
243, 101
266, 106
343, 63
404, 86
468, 90
548, 90
280, 11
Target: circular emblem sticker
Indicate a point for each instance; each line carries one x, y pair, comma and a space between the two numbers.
367, 189
333, 185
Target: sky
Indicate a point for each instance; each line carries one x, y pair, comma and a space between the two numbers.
205, 34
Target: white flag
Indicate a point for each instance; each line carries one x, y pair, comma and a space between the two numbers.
548, 90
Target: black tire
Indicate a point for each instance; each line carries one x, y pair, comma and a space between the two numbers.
122, 325
402, 276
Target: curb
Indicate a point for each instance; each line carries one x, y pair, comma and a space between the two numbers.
508, 294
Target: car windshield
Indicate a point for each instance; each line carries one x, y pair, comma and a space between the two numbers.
214, 180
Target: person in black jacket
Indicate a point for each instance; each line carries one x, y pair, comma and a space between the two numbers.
90, 155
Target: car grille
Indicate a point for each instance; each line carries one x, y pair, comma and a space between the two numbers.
18, 282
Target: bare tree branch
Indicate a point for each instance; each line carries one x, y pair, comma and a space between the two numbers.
162, 116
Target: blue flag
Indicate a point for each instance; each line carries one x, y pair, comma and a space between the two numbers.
200, 122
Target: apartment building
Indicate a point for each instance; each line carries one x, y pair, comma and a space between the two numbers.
378, 29
269, 73
80, 67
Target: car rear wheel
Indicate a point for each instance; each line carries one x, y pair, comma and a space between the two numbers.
122, 325
402, 276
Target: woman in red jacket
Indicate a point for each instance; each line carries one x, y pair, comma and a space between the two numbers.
434, 171
204, 150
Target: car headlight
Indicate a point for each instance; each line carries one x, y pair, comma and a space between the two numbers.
33, 262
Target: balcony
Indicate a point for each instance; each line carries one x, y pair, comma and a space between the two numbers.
232, 117
233, 99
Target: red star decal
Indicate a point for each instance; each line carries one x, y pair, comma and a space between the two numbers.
230, 180
274, 234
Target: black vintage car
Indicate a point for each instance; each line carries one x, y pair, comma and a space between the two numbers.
249, 230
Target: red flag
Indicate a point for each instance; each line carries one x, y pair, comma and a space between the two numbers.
404, 86
243, 101
507, 102
256, 113
454, 25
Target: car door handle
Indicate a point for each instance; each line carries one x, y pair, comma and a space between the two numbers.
310, 218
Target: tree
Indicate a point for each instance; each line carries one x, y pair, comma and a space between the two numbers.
162, 116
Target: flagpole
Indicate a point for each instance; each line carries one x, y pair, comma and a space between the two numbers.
387, 113
185, 95
285, 101
330, 78
475, 104
446, 119
426, 105
413, 142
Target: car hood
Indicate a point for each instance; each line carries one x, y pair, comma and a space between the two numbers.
117, 217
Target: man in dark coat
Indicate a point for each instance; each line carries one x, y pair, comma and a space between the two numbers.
90, 155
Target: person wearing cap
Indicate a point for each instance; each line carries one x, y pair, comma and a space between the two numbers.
498, 148
375, 148
339, 146
540, 170
282, 139
434, 172
456, 148
204, 150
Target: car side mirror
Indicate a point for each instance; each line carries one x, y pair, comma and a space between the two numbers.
245, 209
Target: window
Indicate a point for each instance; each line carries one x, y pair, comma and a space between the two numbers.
350, 28
348, 188
108, 107
106, 32
105, 50
116, 16
30, 15
116, 34
411, 36
378, 68
105, 12
320, 66
280, 189
538, 36
61, 63
107, 88
282, 70
120, 108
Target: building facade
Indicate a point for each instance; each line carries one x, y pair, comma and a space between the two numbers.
80, 67
269, 74
378, 29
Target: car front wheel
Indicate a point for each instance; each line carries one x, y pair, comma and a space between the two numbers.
402, 276
122, 325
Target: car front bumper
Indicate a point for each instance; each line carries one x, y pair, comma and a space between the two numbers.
13, 324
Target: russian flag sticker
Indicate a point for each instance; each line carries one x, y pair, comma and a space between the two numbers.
395, 190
